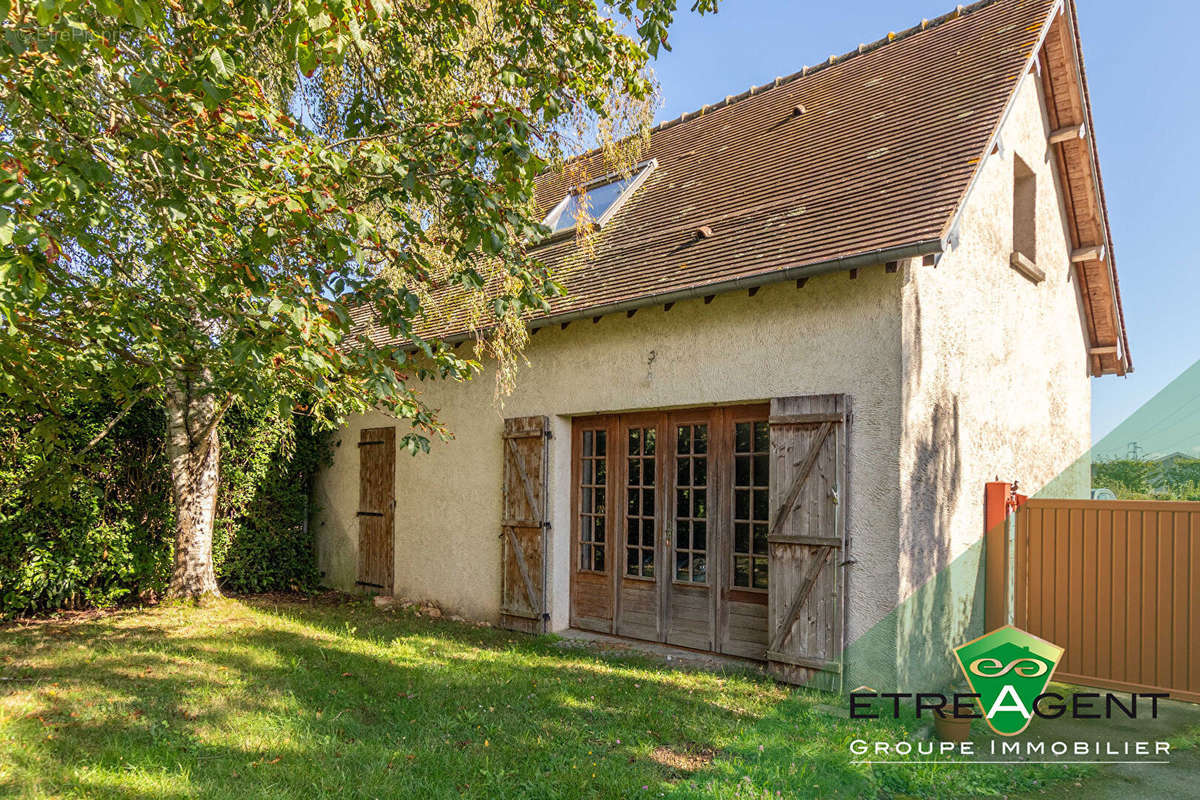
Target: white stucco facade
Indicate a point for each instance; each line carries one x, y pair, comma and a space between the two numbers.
995, 386
835, 335
959, 373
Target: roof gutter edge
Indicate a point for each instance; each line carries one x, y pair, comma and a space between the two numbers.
916, 249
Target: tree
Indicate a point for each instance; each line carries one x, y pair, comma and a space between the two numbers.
1126, 477
204, 201
1180, 476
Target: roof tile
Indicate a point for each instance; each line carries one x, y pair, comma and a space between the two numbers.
880, 159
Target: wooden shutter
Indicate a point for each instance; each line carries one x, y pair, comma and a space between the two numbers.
523, 524
806, 538
376, 507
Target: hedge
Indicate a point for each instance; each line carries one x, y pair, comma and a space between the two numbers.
96, 530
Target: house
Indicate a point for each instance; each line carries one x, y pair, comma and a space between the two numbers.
821, 314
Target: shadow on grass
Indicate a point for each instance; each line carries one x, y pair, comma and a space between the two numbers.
259, 699
309, 701
802, 748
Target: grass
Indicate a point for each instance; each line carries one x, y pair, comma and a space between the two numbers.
299, 699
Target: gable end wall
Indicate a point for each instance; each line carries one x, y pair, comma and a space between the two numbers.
995, 387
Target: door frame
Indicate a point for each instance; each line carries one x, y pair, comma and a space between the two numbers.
619, 470
712, 418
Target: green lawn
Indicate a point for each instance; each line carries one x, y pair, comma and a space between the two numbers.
299, 699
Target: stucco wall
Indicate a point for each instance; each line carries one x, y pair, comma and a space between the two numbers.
834, 335
960, 373
995, 386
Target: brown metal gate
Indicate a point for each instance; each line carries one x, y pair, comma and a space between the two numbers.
1115, 583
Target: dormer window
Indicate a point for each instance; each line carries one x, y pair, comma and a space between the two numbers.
596, 201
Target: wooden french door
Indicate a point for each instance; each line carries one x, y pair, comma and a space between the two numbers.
669, 527
691, 555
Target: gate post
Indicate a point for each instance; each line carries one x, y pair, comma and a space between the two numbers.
997, 499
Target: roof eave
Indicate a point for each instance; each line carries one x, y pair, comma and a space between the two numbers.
1100, 361
918, 249
1125, 358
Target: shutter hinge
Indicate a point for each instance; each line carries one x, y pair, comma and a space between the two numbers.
549, 434
547, 525
848, 562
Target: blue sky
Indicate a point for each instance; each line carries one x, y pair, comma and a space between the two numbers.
1142, 61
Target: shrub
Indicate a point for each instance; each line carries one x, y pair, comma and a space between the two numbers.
96, 529
261, 540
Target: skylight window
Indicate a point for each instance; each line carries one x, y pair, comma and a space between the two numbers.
597, 201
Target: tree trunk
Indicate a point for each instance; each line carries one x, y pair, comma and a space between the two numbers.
194, 451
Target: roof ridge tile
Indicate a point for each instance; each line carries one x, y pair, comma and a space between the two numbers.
832, 61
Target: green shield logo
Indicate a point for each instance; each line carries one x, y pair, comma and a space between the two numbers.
1008, 668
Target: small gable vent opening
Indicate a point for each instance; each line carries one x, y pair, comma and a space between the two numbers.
596, 201
1024, 210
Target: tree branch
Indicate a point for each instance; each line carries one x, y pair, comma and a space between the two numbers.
50, 337
214, 420
112, 423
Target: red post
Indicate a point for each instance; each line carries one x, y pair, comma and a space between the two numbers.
998, 501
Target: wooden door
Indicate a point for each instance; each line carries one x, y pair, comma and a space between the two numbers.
806, 538
746, 472
523, 524
692, 562
640, 561
676, 505
376, 507
594, 524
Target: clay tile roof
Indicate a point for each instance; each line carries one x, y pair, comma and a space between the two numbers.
873, 169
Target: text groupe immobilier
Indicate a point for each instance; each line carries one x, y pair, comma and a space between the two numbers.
1026, 749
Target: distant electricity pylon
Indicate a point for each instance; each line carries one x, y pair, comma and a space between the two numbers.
1135, 452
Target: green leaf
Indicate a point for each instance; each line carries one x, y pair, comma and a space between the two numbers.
306, 58
215, 228
222, 62
10, 191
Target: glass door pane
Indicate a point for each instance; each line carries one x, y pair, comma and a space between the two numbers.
640, 487
751, 511
592, 506
691, 503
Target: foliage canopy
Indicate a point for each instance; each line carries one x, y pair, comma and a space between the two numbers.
206, 203
1176, 478
215, 191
